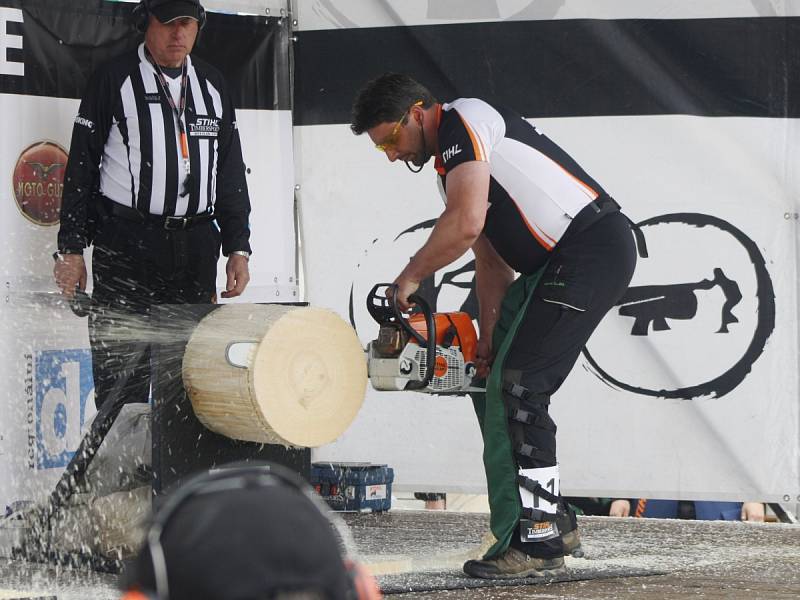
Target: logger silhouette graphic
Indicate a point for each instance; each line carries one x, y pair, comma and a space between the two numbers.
702, 308
666, 325
654, 304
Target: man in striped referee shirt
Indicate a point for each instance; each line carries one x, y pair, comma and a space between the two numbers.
155, 181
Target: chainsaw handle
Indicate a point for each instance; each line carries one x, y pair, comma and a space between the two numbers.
385, 310
379, 306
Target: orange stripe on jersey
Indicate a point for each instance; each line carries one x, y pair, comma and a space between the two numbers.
536, 232
588, 189
438, 164
477, 145
553, 241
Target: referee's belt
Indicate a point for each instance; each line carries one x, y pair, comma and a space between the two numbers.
169, 223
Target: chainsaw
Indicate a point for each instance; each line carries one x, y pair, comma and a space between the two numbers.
427, 352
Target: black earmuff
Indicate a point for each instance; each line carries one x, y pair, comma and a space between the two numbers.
140, 16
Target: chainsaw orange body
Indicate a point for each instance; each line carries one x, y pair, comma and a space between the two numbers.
405, 356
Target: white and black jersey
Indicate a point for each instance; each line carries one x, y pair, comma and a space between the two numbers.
536, 188
126, 146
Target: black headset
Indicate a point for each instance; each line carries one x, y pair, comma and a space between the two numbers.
361, 586
141, 16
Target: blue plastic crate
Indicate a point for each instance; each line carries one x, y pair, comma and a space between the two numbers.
354, 486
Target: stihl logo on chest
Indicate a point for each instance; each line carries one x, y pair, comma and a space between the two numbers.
204, 127
450, 152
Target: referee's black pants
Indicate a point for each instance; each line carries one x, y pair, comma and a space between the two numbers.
588, 272
136, 265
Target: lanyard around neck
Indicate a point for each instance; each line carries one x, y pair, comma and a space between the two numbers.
180, 108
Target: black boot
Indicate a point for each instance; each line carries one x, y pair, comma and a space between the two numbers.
567, 525
513, 563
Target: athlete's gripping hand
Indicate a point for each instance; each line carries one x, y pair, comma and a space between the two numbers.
69, 273
483, 358
405, 287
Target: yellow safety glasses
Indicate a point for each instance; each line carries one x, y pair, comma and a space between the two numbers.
391, 139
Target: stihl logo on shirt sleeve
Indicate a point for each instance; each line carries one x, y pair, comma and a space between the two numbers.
450, 152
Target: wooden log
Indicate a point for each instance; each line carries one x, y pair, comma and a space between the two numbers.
275, 374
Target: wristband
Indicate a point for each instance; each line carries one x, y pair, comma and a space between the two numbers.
59, 256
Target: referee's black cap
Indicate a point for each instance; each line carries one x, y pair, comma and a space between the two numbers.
169, 10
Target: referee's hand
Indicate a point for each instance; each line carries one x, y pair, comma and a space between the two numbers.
238, 276
69, 273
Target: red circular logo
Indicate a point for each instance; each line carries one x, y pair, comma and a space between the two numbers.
440, 366
39, 181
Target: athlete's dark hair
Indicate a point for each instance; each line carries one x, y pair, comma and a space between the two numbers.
385, 99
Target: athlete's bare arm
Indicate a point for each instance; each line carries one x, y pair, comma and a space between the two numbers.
456, 229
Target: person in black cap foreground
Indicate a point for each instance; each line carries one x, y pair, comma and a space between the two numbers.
244, 533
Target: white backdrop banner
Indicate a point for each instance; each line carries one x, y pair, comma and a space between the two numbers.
345, 14
687, 113
694, 396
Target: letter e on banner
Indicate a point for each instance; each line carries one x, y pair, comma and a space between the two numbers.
10, 41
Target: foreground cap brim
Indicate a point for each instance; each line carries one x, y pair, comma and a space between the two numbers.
176, 10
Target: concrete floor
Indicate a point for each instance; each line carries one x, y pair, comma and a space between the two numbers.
417, 554
663, 558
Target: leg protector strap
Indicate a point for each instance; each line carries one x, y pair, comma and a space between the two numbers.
537, 417
522, 393
533, 514
535, 488
534, 452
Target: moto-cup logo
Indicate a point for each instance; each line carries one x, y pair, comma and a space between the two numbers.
696, 316
64, 403
38, 182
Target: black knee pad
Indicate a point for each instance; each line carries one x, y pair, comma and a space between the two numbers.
533, 432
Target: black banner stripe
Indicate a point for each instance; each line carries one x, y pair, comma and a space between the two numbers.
709, 67
64, 43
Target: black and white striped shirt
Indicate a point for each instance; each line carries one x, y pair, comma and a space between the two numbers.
126, 146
